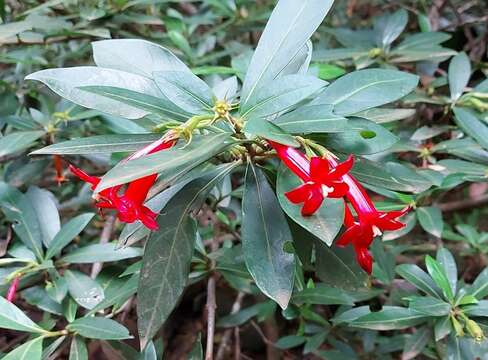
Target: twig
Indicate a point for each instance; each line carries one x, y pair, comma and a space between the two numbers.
211, 306
224, 344
104, 238
463, 204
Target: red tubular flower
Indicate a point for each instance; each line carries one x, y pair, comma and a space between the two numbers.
370, 222
58, 166
320, 179
129, 205
12, 290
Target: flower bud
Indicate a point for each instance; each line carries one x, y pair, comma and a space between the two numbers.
475, 330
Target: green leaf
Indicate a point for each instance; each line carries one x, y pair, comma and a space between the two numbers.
100, 144
44, 205
329, 55
365, 89
430, 306
83, 289
18, 141
472, 126
119, 54
442, 328
161, 105
67, 81
327, 71
31, 350
19, 210
268, 130
170, 163
362, 136
185, 90
479, 309
338, 267
67, 233
290, 341
281, 94
383, 115
99, 328
439, 275
196, 352
421, 40
168, 253
312, 119
100, 253
479, 289
78, 350
244, 315
446, 260
416, 343
291, 24
37, 296
11, 317
325, 224
458, 75
323, 295
430, 218
389, 318
264, 235
119, 295
418, 278
389, 27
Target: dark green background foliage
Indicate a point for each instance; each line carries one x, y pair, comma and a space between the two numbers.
401, 85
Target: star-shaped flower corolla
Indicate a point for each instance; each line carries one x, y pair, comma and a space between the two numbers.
320, 179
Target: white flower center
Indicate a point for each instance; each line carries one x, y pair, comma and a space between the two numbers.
377, 231
326, 190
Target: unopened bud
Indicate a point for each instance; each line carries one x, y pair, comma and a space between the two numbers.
475, 330
457, 327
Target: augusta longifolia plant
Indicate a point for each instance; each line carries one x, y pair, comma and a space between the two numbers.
262, 189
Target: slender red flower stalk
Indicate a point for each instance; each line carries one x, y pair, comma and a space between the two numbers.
129, 205
58, 166
320, 179
12, 290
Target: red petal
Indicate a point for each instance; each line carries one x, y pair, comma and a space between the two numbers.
138, 189
342, 169
340, 189
319, 169
364, 259
312, 204
349, 236
389, 225
348, 218
300, 194
148, 218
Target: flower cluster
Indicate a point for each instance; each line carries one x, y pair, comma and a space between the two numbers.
325, 177
129, 203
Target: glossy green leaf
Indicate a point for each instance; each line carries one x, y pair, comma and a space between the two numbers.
472, 126
430, 306
430, 218
168, 253
11, 317
389, 27
446, 260
325, 224
67, 81
290, 26
327, 55
170, 163
323, 295
67, 233
18, 141
99, 144
389, 318
268, 130
365, 89
479, 309
312, 119
161, 105
290, 341
83, 289
44, 204
479, 289
100, 328
185, 90
19, 210
418, 278
458, 75
281, 94
31, 350
118, 54
78, 349
100, 253
416, 343
439, 275
264, 235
